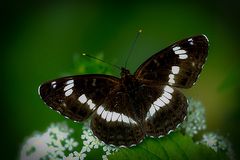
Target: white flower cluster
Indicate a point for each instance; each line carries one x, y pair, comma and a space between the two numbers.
195, 120
91, 142
52, 144
217, 143
56, 144
214, 141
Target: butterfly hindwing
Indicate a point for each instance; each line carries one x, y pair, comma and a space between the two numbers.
114, 123
77, 97
178, 65
166, 112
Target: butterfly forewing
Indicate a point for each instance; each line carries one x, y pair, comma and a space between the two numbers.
177, 65
77, 97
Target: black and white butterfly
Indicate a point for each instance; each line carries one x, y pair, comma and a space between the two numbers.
125, 110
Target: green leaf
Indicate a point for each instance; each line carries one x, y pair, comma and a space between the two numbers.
175, 146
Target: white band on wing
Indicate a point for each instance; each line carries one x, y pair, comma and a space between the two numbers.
160, 102
114, 116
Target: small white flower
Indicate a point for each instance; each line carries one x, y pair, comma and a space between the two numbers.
48, 145
195, 121
104, 157
53, 129
77, 154
70, 157
91, 142
86, 148
59, 152
70, 144
82, 156
215, 141
210, 140
57, 143
62, 136
109, 149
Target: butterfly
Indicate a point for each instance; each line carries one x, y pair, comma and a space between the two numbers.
125, 110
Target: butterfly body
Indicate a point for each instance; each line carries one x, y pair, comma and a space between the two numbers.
128, 82
147, 103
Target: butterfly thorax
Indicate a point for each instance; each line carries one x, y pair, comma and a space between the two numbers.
128, 81
125, 72
129, 87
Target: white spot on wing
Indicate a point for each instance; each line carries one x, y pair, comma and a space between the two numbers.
175, 69
183, 56
167, 95
176, 48
148, 116
91, 104
68, 93
104, 114
206, 37
152, 110
100, 110
67, 87
171, 76
168, 89
159, 103
125, 119
132, 121
164, 99
69, 81
181, 51
53, 84
82, 98
171, 79
120, 118
109, 116
156, 107
115, 116
39, 88
66, 117
170, 131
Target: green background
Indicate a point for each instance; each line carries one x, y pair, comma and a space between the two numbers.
39, 41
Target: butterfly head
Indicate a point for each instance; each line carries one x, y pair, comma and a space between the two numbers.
125, 72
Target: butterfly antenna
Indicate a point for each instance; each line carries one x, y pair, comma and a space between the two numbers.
132, 47
84, 54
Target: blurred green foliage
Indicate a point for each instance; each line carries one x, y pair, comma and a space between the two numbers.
39, 41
